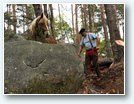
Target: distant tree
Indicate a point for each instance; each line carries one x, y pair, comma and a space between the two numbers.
37, 9
73, 22
52, 21
93, 18
90, 21
108, 48
60, 22
76, 21
82, 15
45, 10
84, 8
27, 16
14, 18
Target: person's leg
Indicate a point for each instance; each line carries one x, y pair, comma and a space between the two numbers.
95, 62
86, 67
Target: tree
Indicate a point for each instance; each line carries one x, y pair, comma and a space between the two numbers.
93, 18
14, 18
116, 18
60, 22
9, 22
118, 51
77, 31
52, 21
82, 16
27, 16
90, 21
73, 22
84, 8
37, 9
108, 48
45, 10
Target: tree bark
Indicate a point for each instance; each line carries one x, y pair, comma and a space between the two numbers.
27, 16
52, 21
118, 51
84, 8
93, 17
116, 18
45, 10
23, 20
77, 31
9, 23
37, 9
82, 15
14, 18
90, 21
60, 23
108, 48
41, 7
73, 22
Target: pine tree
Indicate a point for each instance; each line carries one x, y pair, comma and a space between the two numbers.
90, 21
108, 48
73, 22
93, 18
84, 8
14, 18
82, 16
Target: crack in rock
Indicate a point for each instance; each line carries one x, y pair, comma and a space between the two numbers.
34, 66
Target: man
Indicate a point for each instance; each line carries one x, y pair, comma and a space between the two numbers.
88, 41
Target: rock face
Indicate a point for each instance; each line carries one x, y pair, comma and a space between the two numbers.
34, 67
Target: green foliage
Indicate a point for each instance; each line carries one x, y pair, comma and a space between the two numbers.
66, 29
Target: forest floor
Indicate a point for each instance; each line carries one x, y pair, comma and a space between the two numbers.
112, 81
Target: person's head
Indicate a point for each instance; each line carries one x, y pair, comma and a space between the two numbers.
83, 32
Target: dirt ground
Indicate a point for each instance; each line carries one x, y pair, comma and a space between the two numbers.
112, 81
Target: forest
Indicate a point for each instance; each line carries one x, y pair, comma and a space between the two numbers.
64, 23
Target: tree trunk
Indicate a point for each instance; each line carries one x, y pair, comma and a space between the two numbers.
93, 18
84, 8
14, 18
60, 23
123, 23
90, 21
108, 48
45, 10
82, 15
23, 20
41, 7
9, 23
27, 17
52, 21
118, 51
116, 18
73, 22
37, 9
77, 31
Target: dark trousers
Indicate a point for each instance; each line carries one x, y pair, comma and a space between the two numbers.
91, 55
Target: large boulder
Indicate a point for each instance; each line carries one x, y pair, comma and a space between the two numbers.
34, 67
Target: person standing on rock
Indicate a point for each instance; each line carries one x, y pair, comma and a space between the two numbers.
88, 41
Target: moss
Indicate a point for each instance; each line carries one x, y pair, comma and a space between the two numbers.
37, 85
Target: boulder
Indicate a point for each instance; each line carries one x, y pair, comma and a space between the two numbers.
32, 67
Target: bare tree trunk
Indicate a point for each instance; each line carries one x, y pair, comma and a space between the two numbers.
118, 51
93, 18
41, 7
82, 15
9, 23
52, 21
116, 18
27, 17
123, 23
90, 21
45, 10
60, 22
108, 48
23, 20
14, 17
84, 7
37, 9
73, 22
77, 31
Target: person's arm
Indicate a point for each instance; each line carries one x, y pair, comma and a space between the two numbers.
80, 49
98, 42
